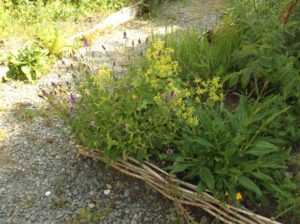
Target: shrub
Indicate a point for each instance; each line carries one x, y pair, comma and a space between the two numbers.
27, 64
236, 152
268, 55
53, 40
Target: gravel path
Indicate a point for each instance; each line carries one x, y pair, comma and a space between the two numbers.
41, 179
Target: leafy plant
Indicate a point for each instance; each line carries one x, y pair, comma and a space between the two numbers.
267, 55
27, 64
236, 151
205, 56
53, 40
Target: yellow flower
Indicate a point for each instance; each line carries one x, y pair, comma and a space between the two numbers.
239, 196
157, 98
134, 97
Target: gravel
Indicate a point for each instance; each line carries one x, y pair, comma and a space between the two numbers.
41, 178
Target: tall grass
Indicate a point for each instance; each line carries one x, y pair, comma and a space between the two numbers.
206, 55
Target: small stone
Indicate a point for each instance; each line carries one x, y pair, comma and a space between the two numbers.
92, 205
106, 192
126, 193
204, 220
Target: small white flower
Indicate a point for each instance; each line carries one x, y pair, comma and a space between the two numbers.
47, 193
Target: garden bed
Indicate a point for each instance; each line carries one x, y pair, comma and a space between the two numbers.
210, 121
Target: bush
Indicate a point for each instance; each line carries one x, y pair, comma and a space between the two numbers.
237, 152
27, 64
268, 58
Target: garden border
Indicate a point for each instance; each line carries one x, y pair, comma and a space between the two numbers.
180, 192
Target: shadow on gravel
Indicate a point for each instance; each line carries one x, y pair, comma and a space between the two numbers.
43, 181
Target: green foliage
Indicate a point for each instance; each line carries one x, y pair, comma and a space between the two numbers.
205, 56
148, 107
53, 40
169, 109
27, 64
23, 17
269, 53
237, 151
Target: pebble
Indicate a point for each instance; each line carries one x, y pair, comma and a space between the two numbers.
106, 192
204, 220
91, 205
133, 222
126, 193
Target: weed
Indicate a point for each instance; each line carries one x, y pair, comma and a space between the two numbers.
27, 64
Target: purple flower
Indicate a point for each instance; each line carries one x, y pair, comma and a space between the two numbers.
85, 41
125, 35
169, 151
73, 99
45, 93
72, 109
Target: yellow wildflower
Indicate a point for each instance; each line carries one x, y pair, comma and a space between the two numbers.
239, 196
157, 98
134, 97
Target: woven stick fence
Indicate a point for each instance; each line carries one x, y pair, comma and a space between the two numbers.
179, 191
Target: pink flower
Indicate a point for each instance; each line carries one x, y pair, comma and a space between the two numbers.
73, 99
169, 151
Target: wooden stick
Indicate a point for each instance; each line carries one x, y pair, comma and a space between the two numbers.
288, 11
180, 191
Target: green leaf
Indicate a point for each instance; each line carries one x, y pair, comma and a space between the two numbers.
249, 184
232, 79
203, 142
200, 187
207, 177
262, 176
261, 148
142, 105
245, 78
179, 167
27, 72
